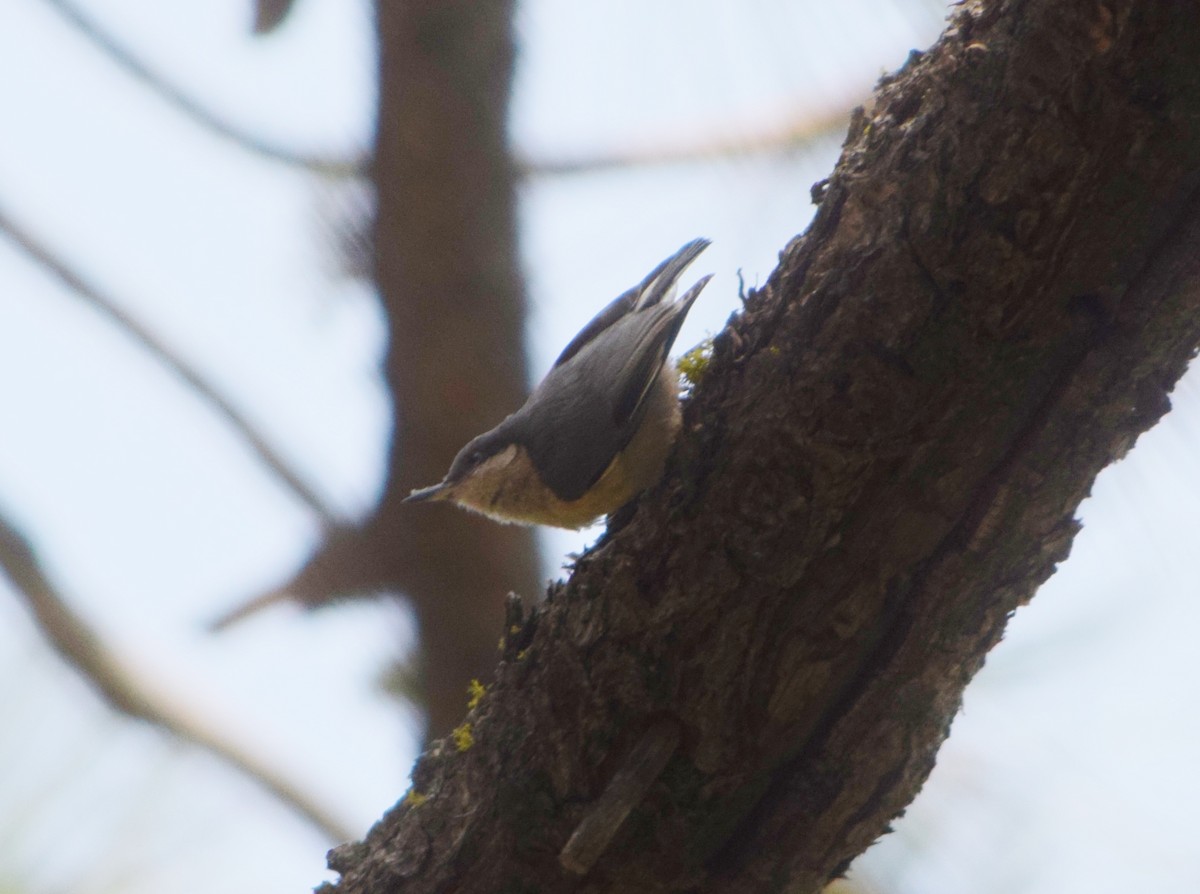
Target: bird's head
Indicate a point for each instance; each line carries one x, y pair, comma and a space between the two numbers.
492, 475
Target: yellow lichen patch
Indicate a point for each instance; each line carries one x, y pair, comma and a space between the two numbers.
694, 364
414, 798
463, 737
475, 691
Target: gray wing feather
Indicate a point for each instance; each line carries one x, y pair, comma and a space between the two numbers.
645, 362
649, 291
598, 398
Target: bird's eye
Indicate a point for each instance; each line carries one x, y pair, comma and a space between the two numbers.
476, 457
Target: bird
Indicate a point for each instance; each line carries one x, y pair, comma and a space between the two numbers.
597, 431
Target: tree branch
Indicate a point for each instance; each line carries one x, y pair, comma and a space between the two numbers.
92, 295
1000, 287
83, 648
269, 15
821, 120
180, 100
447, 270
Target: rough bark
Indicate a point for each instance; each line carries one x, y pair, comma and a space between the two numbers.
881, 464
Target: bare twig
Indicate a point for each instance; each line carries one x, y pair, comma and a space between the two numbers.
794, 134
251, 606
132, 65
110, 309
82, 647
339, 567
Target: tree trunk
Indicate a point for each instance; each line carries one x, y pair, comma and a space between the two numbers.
739, 689
446, 266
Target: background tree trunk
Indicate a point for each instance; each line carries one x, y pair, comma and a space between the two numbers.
882, 463
447, 268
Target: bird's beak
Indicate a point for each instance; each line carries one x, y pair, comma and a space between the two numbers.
434, 492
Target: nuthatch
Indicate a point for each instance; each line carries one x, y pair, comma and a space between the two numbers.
597, 431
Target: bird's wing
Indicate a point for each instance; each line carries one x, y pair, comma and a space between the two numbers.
617, 308
596, 401
644, 363
648, 292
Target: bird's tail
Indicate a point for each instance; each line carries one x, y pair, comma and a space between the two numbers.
660, 282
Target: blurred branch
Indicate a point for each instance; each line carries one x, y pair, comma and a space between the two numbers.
173, 95
780, 139
82, 647
93, 296
253, 606
270, 14
345, 564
